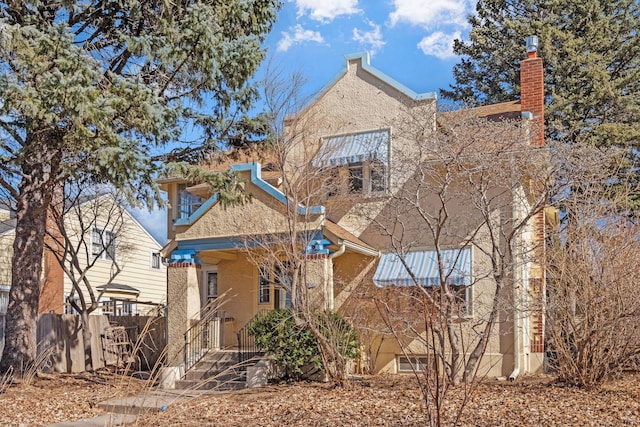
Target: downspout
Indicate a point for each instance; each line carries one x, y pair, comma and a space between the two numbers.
330, 274
516, 299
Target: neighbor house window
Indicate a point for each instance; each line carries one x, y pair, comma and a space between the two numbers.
156, 260
187, 202
4, 298
68, 304
103, 244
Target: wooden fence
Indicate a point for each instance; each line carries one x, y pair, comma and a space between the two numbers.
137, 341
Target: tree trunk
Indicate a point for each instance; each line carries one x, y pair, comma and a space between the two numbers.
86, 338
35, 191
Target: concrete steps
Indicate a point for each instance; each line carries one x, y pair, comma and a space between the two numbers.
217, 370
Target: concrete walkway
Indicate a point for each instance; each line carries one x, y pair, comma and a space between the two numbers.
125, 410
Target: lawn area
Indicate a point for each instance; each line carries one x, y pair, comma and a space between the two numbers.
380, 400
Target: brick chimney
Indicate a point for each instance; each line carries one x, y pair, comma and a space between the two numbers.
532, 91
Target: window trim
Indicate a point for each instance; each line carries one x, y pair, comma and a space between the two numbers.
186, 202
108, 252
153, 258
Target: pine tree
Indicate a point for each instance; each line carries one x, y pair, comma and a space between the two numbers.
592, 64
112, 91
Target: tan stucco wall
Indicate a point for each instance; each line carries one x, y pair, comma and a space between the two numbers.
262, 215
357, 102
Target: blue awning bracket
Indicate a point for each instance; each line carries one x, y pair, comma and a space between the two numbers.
423, 265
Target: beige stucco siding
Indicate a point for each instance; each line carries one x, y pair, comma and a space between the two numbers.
262, 215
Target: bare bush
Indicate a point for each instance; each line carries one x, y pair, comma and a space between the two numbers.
594, 312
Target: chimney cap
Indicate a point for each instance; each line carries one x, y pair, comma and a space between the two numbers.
532, 44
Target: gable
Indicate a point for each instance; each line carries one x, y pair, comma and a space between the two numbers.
264, 214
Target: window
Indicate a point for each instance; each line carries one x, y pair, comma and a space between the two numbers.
264, 287
461, 300
360, 160
212, 284
68, 307
409, 364
156, 260
187, 202
356, 178
275, 280
103, 244
421, 268
117, 307
128, 308
107, 306
377, 177
4, 298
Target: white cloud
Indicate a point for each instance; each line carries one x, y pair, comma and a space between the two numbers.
439, 44
431, 13
326, 10
372, 39
297, 35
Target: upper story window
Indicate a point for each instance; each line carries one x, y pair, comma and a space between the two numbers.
358, 162
187, 202
156, 260
103, 244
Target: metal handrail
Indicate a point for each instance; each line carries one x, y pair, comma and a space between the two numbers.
246, 343
207, 334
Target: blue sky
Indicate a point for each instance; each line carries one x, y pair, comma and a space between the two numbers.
409, 40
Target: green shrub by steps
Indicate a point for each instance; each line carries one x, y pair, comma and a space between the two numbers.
294, 348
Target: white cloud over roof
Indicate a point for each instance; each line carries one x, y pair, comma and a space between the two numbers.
326, 10
298, 35
430, 13
371, 39
439, 44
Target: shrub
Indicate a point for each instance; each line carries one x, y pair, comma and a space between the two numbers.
293, 347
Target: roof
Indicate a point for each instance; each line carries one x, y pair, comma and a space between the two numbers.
118, 287
501, 111
334, 232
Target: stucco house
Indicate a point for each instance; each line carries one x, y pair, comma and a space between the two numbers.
351, 137
103, 233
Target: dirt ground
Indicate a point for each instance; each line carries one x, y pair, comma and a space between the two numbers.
371, 401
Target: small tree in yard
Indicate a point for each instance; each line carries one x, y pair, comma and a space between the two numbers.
87, 227
284, 256
594, 312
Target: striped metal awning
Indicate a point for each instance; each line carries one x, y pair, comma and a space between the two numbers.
353, 148
423, 265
